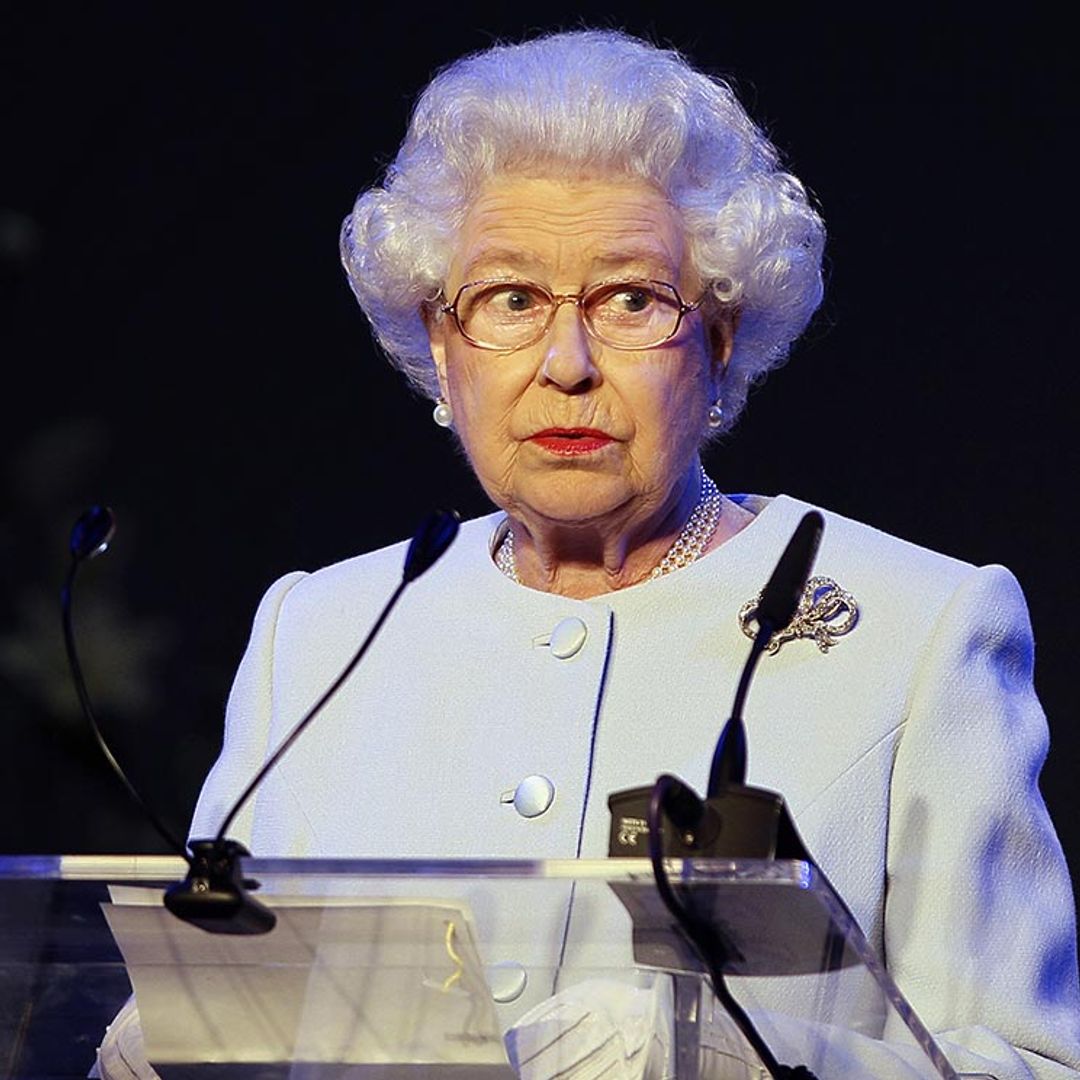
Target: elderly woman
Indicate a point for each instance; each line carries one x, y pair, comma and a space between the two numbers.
585, 253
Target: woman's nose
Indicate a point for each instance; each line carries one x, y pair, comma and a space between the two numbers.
568, 352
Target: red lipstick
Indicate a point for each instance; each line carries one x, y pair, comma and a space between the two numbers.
571, 442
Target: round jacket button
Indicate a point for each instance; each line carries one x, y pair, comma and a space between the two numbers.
533, 796
568, 637
507, 980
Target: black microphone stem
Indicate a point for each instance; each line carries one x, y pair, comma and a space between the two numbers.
761, 641
729, 757
88, 712
314, 711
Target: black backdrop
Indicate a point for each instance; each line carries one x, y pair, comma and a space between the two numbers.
178, 340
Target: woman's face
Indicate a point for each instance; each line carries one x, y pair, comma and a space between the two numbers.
569, 429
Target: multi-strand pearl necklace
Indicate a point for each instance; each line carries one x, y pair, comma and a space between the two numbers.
689, 544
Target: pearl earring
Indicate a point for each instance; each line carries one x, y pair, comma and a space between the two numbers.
442, 414
715, 415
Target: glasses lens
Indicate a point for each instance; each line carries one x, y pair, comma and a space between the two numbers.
503, 314
632, 314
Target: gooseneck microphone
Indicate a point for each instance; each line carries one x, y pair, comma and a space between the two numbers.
734, 821
776, 608
215, 895
90, 537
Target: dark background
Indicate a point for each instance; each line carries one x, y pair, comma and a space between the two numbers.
178, 340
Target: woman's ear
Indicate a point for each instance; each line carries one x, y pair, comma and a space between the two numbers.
721, 331
435, 324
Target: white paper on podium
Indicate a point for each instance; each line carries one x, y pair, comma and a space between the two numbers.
338, 980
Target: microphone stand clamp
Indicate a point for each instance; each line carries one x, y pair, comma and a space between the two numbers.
214, 896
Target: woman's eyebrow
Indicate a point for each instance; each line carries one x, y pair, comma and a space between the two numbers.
513, 262
495, 259
655, 258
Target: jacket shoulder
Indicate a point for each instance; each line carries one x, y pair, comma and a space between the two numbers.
368, 580
871, 555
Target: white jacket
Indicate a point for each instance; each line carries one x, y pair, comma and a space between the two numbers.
908, 752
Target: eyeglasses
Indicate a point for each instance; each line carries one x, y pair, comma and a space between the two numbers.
508, 315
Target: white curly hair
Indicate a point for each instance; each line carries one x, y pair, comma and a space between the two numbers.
591, 101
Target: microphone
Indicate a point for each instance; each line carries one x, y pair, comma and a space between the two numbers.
92, 533
214, 894
90, 537
783, 591
429, 543
776, 608
734, 821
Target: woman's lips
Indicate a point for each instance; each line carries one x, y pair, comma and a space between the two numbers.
571, 441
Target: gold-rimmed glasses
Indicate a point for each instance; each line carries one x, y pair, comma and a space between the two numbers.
505, 315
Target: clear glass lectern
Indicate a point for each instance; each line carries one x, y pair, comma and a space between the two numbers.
447, 969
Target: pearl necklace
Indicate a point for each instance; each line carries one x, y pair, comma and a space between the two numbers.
689, 544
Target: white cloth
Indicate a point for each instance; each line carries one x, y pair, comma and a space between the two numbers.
908, 753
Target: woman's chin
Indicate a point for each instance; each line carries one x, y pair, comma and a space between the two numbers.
572, 499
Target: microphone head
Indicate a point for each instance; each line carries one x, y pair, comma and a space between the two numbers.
92, 533
435, 534
782, 594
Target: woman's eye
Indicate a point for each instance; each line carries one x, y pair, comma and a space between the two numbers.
633, 299
516, 300
624, 300
500, 301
